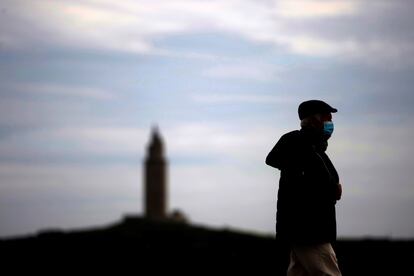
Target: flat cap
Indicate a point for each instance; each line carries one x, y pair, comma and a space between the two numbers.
313, 107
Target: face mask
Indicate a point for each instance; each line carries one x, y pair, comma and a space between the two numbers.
328, 128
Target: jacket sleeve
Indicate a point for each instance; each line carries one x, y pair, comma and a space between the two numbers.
284, 154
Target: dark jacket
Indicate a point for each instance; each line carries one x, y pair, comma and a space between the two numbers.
307, 189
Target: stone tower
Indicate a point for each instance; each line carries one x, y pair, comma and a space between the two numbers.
155, 178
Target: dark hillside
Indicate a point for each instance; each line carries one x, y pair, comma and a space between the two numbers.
136, 245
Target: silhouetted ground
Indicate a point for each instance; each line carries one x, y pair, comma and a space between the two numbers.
139, 246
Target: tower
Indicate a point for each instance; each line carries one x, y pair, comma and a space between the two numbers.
155, 178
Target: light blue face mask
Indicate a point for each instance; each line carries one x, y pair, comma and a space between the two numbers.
328, 128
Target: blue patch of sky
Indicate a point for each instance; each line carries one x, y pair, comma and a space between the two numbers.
150, 88
228, 50
153, 88
369, 93
221, 45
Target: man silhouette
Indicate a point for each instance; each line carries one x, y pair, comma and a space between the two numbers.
308, 190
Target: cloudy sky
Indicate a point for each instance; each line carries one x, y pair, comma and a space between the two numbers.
83, 81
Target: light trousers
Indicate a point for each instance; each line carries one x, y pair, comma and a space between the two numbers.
313, 260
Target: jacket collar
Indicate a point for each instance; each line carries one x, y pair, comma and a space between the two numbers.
315, 139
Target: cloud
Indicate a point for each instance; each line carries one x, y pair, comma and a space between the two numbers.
96, 144
21, 113
342, 29
75, 144
218, 141
318, 46
226, 98
61, 90
311, 9
245, 71
71, 24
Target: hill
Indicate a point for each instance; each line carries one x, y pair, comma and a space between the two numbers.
137, 245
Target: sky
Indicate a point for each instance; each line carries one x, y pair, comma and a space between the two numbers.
83, 82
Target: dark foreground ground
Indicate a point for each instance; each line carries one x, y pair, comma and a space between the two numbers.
140, 247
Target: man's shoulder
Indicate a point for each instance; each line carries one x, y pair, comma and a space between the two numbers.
293, 139
291, 136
